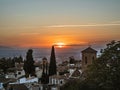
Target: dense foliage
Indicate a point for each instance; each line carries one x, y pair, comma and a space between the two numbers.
104, 73
6, 63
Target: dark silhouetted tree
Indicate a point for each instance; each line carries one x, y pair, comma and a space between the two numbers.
72, 60
18, 59
29, 64
45, 76
52, 66
3, 65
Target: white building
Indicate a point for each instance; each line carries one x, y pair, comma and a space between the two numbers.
56, 80
28, 80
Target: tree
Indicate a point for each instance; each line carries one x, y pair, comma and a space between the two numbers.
45, 76
71, 60
6, 63
105, 71
52, 66
3, 65
71, 85
29, 64
18, 59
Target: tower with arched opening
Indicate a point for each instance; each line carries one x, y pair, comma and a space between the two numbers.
88, 55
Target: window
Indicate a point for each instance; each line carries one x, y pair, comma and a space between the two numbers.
93, 58
53, 81
85, 60
61, 82
19, 73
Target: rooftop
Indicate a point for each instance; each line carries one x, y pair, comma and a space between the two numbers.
76, 73
7, 80
89, 50
19, 87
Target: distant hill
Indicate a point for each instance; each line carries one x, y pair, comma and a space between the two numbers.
5, 47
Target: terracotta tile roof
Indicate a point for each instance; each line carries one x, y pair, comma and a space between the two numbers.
7, 80
19, 87
76, 73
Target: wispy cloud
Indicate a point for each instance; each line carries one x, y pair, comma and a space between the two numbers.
84, 25
83, 44
116, 22
29, 33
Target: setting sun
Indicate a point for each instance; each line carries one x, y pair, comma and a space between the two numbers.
60, 44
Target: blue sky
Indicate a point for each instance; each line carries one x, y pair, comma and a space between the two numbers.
52, 11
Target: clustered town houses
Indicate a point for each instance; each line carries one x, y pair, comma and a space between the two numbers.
65, 71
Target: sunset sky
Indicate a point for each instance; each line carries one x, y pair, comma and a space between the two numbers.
42, 23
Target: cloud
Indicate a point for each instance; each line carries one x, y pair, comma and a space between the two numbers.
72, 45
84, 25
86, 43
29, 33
116, 22
76, 44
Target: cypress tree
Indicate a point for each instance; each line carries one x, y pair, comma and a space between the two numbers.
29, 64
52, 66
45, 77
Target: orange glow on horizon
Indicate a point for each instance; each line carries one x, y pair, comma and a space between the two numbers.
63, 37
60, 44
